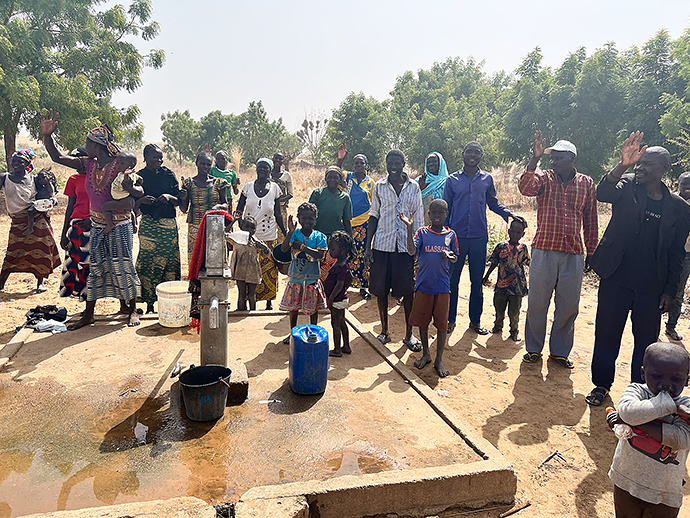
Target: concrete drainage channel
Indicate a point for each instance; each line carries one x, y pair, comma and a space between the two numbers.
486, 483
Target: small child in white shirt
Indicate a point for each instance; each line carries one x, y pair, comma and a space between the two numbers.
649, 463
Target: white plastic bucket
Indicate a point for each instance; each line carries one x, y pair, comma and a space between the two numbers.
174, 303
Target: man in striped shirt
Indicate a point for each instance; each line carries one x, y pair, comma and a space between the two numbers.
566, 206
392, 263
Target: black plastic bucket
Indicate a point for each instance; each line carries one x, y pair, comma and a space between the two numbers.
282, 259
204, 393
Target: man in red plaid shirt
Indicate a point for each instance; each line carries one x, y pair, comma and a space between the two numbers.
566, 206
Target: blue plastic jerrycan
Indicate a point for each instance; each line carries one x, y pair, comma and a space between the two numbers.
308, 367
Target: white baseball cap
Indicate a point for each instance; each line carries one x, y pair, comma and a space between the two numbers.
562, 145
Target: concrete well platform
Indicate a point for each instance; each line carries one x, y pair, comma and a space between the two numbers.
96, 420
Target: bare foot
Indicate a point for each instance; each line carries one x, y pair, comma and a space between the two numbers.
133, 320
335, 353
423, 361
124, 309
440, 369
83, 321
346, 349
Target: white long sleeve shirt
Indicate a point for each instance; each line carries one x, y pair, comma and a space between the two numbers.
654, 476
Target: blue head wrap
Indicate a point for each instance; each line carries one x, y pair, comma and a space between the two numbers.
435, 183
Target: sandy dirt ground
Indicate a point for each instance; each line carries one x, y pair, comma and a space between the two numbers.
526, 411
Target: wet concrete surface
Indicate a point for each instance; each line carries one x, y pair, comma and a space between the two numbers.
92, 418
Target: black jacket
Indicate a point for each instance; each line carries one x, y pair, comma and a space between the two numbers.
629, 200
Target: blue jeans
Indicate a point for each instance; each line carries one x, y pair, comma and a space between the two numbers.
673, 315
474, 249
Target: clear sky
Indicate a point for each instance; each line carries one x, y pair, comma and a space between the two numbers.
305, 56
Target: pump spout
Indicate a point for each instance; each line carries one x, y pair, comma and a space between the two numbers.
213, 313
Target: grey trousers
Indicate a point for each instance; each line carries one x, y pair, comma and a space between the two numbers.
558, 274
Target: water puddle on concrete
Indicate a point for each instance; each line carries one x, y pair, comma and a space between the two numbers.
61, 455
99, 422
360, 459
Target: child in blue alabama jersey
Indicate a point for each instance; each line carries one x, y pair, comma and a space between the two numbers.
437, 247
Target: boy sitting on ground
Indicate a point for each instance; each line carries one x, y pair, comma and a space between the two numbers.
436, 247
511, 257
649, 466
46, 187
123, 199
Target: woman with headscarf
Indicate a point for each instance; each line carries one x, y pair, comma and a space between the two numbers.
260, 199
111, 269
32, 252
432, 181
199, 195
335, 210
159, 246
359, 188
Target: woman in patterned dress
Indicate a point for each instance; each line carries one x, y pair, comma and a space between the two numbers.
159, 246
199, 195
359, 187
111, 270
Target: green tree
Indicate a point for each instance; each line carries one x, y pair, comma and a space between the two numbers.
181, 135
69, 56
677, 104
599, 100
213, 126
255, 134
583, 101
362, 123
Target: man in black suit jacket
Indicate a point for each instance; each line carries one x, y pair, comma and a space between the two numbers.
639, 258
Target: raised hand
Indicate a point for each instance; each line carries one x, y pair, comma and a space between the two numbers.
342, 151
49, 122
539, 145
631, 149
292, 224
406, 219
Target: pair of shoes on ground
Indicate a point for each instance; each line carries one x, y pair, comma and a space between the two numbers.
673, 334
560, 360
596, 396
514, 336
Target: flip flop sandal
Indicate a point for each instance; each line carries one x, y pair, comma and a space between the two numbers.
413, 344
596, 396
384, 339
531, 357
562, 361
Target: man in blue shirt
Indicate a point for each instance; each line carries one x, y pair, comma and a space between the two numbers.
467, 193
